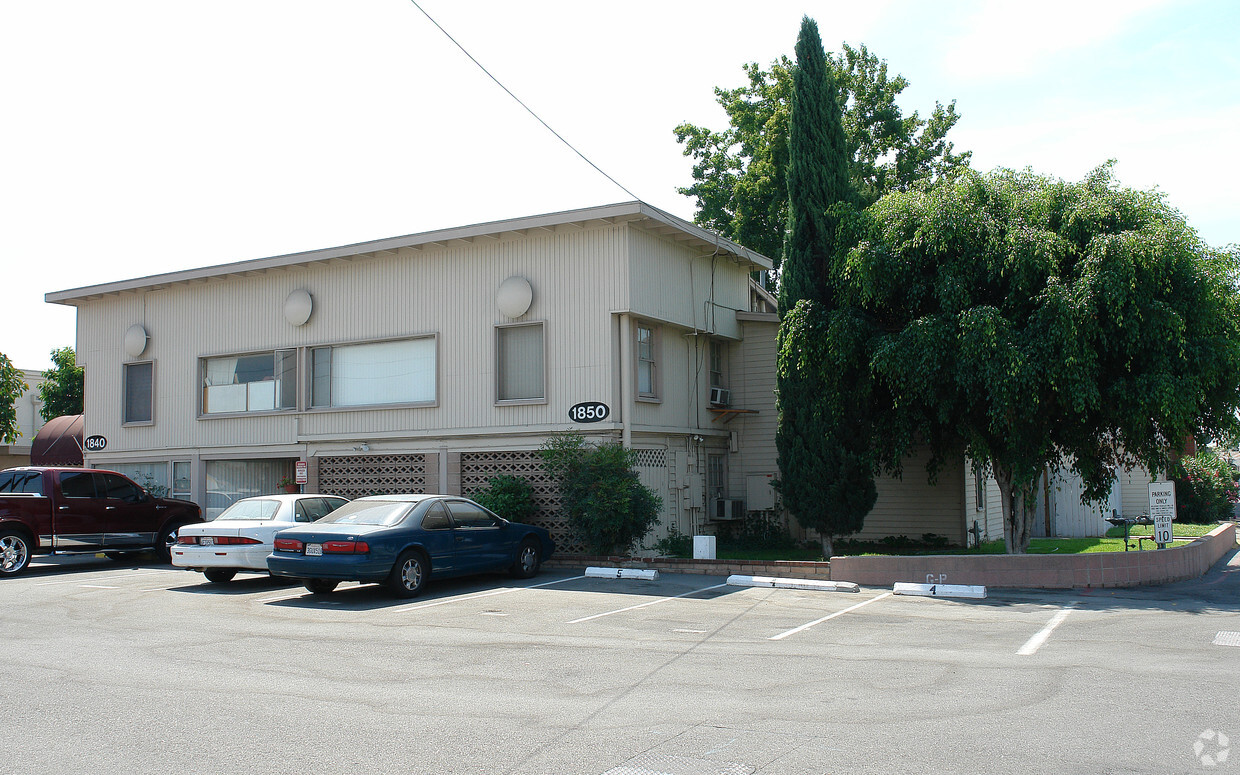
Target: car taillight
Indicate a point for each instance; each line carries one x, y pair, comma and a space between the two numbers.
235, 540
346, 547
188, 540
288, 545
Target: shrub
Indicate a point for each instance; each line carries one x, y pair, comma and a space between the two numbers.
758, 530
605, 504
676, 544
1205, 489
508, 496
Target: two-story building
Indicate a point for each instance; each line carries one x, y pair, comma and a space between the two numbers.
433, 361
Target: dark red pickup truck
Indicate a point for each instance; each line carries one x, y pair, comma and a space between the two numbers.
82, 510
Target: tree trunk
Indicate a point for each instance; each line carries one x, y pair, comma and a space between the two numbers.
827, 547
1018, 507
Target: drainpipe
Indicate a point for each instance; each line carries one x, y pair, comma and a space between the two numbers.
627, 381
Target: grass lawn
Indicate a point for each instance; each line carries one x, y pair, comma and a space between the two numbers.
1113, 542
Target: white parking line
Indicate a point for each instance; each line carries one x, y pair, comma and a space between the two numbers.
644, 605
440, 602
816, 622
110, 577
1033, 644
96, 586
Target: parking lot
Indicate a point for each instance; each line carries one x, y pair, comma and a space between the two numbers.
142, 668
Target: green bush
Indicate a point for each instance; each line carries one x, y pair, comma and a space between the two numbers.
1205, 489
508, 496
676, 544
758, 530
605, 504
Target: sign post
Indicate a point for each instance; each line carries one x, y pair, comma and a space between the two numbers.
1162, 511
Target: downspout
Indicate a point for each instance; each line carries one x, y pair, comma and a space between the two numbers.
627, 381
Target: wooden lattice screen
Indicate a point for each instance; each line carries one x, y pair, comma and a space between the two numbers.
355, 476
478, 467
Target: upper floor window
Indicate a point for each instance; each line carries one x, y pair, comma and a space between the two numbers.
259, 382
396, 372
519, 363
647, 361
718, 363
139, 391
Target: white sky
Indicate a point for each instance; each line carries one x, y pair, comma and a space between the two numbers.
147, 136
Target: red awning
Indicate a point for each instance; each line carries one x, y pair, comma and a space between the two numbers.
58, 443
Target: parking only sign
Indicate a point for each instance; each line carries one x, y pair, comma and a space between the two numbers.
1162, 510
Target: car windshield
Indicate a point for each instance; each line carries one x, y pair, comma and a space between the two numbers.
250, 509
369, 513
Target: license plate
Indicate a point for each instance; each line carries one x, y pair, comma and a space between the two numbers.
314, 550
206, 541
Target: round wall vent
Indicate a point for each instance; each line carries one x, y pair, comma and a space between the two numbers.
514, 296
298, 306
135, 340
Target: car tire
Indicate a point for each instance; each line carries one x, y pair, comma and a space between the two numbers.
14, 552
409, 574
529, 557
219, 575
321, 586
163, 545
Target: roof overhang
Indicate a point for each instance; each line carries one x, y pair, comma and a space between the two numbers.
638, 213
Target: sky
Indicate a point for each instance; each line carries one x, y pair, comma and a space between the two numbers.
144, 136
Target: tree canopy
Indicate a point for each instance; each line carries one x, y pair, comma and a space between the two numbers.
12, 385
61, 389
740, 173
1029, 322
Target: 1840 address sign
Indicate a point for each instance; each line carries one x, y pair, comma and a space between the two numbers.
588, 411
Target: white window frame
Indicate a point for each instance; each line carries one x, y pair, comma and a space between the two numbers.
125, 371
203, 403
499, 372
307, 374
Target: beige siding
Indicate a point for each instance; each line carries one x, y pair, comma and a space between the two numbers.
678, 284
912, 507
752, 382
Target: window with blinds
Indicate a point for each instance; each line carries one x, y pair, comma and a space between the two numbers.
519, 367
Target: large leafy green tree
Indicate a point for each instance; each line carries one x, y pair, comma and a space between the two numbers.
12, 385
823, 459
61, 389
1029, 322
740, 173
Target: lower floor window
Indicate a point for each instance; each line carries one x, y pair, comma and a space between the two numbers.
228, 481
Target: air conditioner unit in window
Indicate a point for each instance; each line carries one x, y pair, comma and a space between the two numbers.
720, 396
724, 509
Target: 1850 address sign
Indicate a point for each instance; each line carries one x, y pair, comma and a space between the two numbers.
588, 411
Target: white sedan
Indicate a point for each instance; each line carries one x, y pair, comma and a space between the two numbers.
240, 537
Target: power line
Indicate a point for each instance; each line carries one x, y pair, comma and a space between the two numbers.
519, 102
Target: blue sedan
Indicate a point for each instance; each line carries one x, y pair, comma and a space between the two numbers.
400, 540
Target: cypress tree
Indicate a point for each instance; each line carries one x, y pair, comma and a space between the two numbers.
826, 477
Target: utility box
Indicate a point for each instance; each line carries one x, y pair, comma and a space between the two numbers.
703, 547
759, 492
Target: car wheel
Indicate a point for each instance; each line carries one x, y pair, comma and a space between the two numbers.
219, 575
528, 560
163, 545
321, 586
14, 553
409, 574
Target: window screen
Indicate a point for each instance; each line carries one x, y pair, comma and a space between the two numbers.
520, 366
138, 392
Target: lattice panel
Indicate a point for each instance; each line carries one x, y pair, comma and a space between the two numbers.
478, 467
651, 458
355, 476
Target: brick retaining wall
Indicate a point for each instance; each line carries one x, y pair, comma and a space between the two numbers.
780, 568
1044, 571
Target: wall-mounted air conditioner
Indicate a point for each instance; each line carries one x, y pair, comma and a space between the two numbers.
720, 396
723, 509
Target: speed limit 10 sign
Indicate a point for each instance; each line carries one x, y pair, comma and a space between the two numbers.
1162, 510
